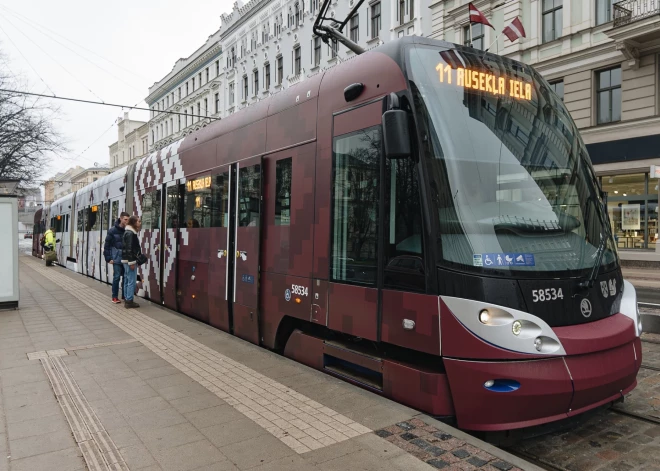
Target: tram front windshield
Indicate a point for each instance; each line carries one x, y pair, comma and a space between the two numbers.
514, 190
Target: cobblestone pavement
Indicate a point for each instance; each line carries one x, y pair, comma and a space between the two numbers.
609, 440
85, 384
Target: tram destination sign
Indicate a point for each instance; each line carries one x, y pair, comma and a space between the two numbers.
484, 81
198, 184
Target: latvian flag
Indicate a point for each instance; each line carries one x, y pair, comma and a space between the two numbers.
515, 30
477, 17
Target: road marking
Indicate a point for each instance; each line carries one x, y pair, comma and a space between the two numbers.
296, 420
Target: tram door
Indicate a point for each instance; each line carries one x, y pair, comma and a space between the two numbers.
220, 251
246, 202
168, 245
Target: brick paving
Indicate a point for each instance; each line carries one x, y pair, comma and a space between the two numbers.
440, 449
608, 440
85, 384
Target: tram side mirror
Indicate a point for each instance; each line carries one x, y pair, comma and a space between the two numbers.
396, 135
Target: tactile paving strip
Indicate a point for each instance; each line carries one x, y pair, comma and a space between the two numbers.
98, 449
298, 421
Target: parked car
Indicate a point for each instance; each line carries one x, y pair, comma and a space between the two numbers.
28, 235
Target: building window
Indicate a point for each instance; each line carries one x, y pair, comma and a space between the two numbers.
245, 87
200, 79
552, 19
217, 68
411, 9
217, 102
199, 109
283, 192
231, 94
477, 36
296, 60
334, 46
192, 114
186, 88
402, 11
355, 28
297, 17
168, 102
178, 128
267, 75
558, 88
206, 106
632, 204
609, 95
603, 11
185, 114
207, 75
264, 33
375, 20
280, 70
193, 84
256, 82
355, 196
317, 51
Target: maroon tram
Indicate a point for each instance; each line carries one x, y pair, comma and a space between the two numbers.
422, 220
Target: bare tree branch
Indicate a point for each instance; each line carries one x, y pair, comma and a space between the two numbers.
28, 139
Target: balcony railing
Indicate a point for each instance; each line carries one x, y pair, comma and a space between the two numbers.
629, 11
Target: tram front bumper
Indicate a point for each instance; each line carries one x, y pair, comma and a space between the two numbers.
505, 395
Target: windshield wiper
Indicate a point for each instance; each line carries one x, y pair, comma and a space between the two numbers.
589, 282
565, 223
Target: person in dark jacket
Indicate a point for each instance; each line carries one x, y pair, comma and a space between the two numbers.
112, 253
132, 257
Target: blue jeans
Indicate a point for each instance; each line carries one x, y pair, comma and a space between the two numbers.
117, 272
130, 277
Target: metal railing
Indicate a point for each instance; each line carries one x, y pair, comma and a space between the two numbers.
629, 11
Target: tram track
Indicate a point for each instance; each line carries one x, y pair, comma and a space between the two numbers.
536, 460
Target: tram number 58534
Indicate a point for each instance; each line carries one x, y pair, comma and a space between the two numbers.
300, 290
548, 294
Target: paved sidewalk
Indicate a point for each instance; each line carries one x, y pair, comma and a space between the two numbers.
85, 384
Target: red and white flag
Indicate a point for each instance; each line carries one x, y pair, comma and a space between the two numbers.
477, 17
515, 30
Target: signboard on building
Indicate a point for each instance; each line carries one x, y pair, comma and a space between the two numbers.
631, 217
655, 171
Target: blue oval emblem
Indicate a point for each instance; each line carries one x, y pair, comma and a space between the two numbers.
287, 294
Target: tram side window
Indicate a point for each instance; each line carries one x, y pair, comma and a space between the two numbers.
355, 177
115, 212
66, 223
93, 219
197, 203
80, 220
249, 197
172, 214
146, 211
220, 201
58, 224
404, 259
155, 210
283, 192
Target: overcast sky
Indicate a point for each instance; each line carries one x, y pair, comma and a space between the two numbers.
138, 43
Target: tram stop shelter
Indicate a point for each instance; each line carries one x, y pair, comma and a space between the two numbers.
9, 292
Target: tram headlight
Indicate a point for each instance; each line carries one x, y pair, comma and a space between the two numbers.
538, 344
484, 316
516, 327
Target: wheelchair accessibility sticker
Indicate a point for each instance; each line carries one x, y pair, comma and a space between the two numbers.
496, 260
